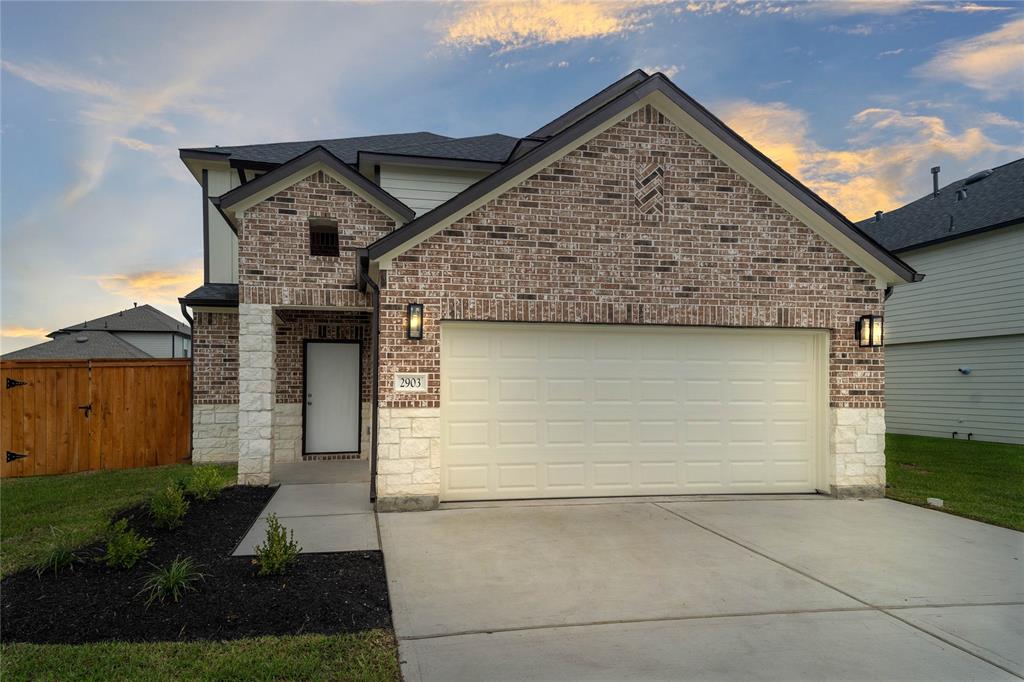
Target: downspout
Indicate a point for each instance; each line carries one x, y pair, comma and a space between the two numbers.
191, 372
364, 275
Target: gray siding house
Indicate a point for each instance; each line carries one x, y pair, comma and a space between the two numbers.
138, 332
955, 342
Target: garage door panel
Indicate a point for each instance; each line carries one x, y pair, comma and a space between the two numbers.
561, 410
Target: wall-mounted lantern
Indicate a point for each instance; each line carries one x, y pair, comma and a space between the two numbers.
414, 326
869, 331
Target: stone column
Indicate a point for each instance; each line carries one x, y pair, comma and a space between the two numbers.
858, 446
255, 393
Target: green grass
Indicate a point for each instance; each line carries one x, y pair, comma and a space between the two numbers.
78, 504
369, 656
983, 481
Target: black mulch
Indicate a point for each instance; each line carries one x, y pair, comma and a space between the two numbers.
321, 593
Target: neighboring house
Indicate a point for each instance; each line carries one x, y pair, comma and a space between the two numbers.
629, 300
138, 332
955, 343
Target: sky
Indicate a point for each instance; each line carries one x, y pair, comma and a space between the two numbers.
857, 98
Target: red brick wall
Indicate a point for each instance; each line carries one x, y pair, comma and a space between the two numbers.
580, 242
274, 263
296, 326
215, 359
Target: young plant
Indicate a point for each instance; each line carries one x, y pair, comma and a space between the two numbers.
171, 581
124, 546
168, 507
60, 554
279, 550
205, 483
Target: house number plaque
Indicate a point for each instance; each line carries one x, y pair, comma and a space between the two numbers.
410, 383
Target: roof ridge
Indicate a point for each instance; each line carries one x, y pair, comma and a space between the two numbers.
318, 141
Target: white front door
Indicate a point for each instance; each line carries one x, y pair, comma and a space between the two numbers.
332, 397
546, 410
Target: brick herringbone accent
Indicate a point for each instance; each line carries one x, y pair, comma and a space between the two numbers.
649, 187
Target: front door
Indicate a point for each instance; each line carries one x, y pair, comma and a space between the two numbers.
332, 397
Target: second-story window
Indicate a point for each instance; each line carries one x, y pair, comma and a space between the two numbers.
323, 237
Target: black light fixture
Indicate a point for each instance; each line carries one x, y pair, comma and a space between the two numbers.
869, 331
414, 319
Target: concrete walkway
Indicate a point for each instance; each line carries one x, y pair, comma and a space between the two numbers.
744, 589
333, 516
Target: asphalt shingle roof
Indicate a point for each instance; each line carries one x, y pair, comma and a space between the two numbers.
494, 147
212, 294
994, 200
143, 318
80, 345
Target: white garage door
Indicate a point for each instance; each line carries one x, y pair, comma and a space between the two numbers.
538, 410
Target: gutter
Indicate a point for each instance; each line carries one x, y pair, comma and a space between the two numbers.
364, 276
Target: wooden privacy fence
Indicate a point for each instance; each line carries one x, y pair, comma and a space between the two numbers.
63, 416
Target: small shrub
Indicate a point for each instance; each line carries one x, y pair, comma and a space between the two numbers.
124, 546
61, 554
279, 551
174, 580
205, 483
168, 507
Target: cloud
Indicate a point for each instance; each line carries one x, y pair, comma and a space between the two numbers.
883, 162
992, 62
17, 332
670, 70
890, 53
154, 286
509, 25
997, 119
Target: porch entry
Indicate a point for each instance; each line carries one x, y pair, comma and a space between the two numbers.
332, 397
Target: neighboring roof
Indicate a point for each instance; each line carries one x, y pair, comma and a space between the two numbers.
80, 345
494, 148
212, 295
611, 102
143, 318
264, 184
993, 200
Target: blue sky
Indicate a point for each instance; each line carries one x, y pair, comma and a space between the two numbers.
857, 98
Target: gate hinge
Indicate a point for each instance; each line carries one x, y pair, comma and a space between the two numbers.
11, 383
11, 456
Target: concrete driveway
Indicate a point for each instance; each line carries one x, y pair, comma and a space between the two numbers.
804, 588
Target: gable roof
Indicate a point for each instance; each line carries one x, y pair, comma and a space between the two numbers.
994, 198
274, 180
81, 345
569, 130
344, 148
212, 294
143, 318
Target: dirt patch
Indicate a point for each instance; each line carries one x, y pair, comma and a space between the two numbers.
322, 593
916, 469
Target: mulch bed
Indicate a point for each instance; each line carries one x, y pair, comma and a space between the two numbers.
321, 593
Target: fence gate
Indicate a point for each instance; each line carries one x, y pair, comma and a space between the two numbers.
60, 417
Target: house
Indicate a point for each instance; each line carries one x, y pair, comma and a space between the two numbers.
138, 332
629, 300
955, 343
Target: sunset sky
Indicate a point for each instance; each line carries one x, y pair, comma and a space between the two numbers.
858, 99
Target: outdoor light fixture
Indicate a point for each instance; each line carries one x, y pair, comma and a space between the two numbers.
869, 331
414, 330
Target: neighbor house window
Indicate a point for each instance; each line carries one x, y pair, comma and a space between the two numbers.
323, 237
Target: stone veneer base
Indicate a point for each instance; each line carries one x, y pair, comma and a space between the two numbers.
857, 444
406, 503
214, 433
409, 452
846, 492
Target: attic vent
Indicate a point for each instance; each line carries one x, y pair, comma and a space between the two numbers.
81, 338
323, 237
977, 177
648, 187
961, 194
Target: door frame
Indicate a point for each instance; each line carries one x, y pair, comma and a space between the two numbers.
359, 392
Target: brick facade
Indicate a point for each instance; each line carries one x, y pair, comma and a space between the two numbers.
297, 326
215, 359
274, 263
576, 243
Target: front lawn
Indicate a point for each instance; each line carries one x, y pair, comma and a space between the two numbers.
983, 481
77, 504
366, 655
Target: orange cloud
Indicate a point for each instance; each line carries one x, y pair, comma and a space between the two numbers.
881, 167
153, 286
513, 25
992, 62
19, 332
